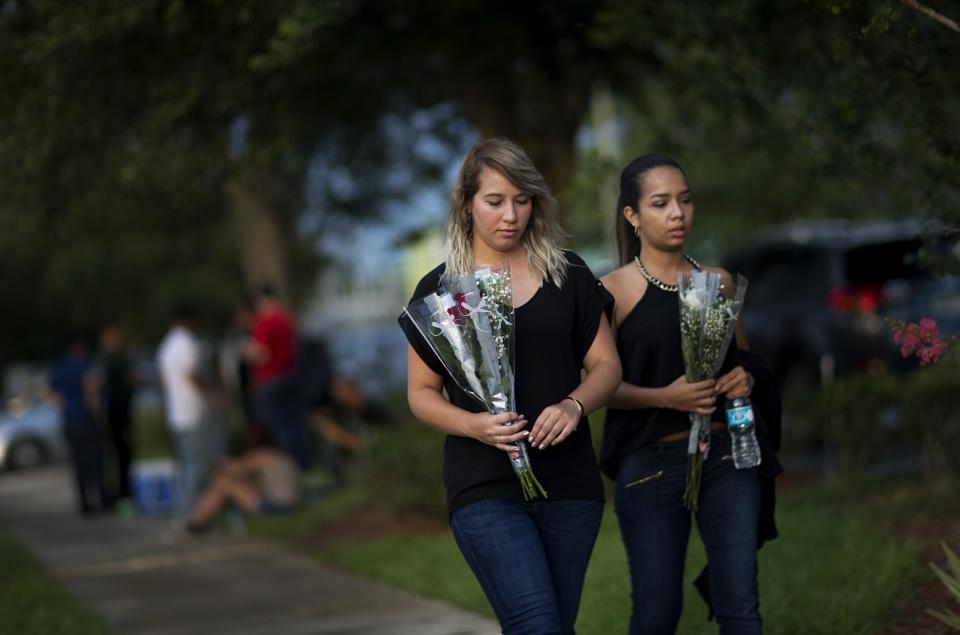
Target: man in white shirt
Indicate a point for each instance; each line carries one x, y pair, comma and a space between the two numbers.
179, 363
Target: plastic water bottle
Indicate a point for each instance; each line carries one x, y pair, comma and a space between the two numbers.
743, 436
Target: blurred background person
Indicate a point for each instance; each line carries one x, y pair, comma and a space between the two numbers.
118, 383
74, 389
339, 410
329, 417
235, 366
265, 480
273, 355
179, 360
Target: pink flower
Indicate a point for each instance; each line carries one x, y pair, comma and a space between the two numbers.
910, 343
922, 339
931, 354
927, 329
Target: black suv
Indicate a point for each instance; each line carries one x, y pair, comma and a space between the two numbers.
818, 292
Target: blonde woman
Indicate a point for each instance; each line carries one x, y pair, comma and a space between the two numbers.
529, 557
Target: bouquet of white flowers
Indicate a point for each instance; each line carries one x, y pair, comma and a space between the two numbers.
468, 323
709, 310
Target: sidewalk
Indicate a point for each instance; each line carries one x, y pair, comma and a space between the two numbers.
144, 581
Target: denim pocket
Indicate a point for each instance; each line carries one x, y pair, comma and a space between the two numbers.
646, 479
650, 481
646, 465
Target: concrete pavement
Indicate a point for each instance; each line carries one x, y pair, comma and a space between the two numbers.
146, 580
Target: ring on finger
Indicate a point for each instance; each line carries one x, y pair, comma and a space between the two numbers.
499, 439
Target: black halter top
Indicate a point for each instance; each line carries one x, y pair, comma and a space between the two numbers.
648, 341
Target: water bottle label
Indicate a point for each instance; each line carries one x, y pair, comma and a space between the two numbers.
740, 416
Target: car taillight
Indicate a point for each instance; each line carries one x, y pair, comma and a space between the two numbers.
855, 298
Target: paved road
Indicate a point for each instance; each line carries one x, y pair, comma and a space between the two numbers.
146, 580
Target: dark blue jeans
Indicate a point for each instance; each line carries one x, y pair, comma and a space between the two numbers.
655, 528
279, 404
530, 559
86, 457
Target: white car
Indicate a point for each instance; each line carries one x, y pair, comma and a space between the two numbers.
31, 436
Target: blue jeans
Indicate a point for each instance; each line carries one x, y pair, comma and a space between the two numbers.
193, 463
655, 528
86, 457
530, 559
279, 404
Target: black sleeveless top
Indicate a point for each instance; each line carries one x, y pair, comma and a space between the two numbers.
553, 331
648, 341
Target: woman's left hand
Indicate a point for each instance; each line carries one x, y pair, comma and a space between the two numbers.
736, 383
555, 423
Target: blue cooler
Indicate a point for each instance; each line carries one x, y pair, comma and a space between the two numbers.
154, 485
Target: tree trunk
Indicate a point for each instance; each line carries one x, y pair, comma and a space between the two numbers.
548, 138
262, 235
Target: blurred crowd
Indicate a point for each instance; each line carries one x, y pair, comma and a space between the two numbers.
262, 390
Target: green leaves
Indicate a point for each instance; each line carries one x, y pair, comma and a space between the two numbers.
950, 579
777, 111
298, 33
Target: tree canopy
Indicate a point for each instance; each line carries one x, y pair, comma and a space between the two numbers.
157, 151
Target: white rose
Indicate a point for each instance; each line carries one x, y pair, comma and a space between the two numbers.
695, 299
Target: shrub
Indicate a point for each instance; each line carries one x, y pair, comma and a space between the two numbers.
402, 469
858, 417
931, 413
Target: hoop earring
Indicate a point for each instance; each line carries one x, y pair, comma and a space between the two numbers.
636, 231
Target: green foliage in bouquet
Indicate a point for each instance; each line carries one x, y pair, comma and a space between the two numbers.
468, 323
704, 344
709, 309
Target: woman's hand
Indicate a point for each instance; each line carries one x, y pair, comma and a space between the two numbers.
698, 397
555, 423
499, 430
736, 383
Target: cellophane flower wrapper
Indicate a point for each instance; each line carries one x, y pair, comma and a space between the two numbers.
709, 310
469, 325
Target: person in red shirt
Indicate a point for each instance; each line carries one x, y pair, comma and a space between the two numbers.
274, 340
277, 395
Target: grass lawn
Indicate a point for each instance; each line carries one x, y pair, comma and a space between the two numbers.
33, 602
835, 570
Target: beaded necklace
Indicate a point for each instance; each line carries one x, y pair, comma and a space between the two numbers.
659, 283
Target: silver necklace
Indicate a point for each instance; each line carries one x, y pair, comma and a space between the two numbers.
659, 283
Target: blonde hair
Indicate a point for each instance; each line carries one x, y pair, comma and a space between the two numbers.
543, 235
